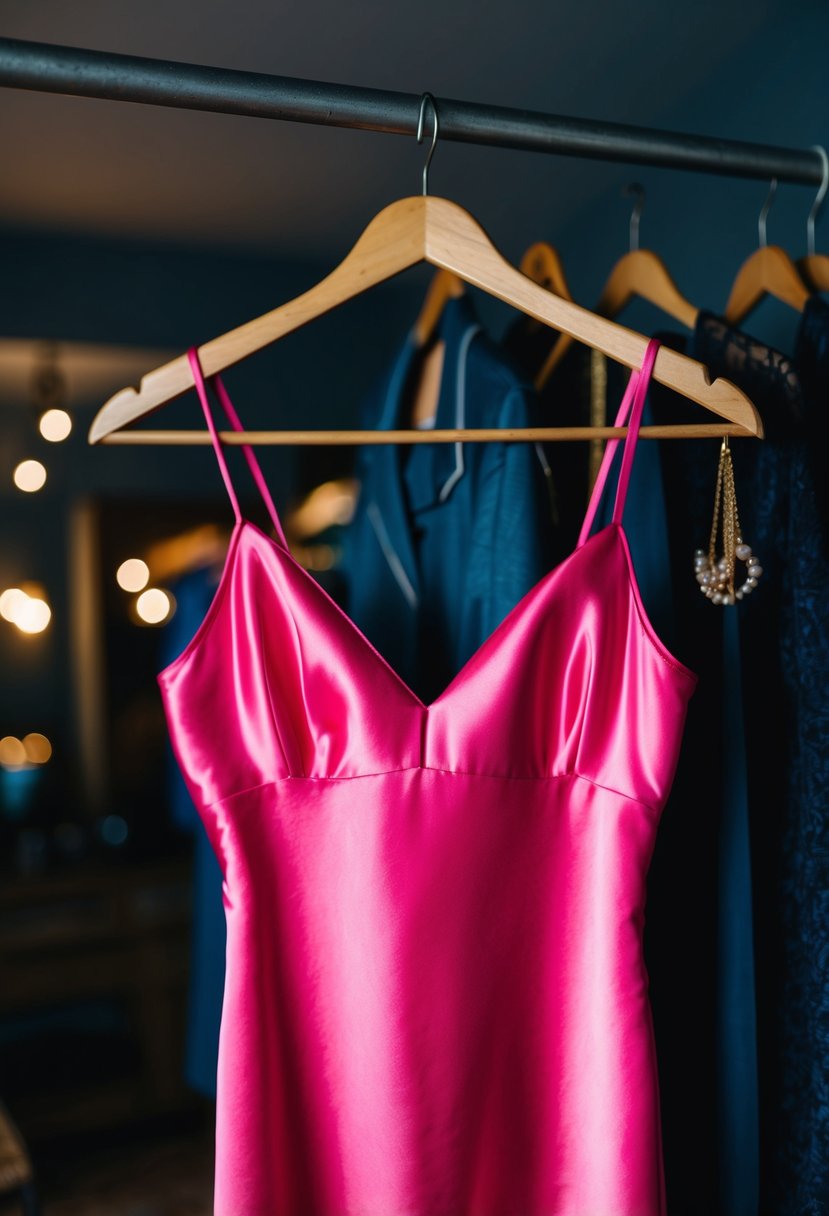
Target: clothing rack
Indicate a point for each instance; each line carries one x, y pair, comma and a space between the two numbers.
74, 71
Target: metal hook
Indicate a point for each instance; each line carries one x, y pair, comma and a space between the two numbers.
427, 97
636, 214
764, 214
819, 197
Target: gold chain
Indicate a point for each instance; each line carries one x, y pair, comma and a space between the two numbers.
726, 495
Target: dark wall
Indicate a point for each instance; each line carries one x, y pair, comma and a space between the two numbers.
78, 289
705, 226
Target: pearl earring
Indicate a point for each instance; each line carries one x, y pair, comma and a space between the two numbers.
715, 575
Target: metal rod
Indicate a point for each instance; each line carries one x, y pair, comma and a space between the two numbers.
703, 430
48, 68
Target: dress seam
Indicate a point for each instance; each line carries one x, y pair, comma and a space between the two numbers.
430, 768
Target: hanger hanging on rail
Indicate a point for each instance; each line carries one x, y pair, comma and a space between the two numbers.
768, 271
815, 266
639, 273
642, 274
409, 231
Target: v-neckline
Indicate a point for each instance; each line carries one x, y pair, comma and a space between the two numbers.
280, 550
364, 641
632, 403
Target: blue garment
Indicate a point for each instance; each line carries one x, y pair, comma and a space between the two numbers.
800, 1023
736, 1013
447, 538
713, 1105
193, 594
781, 667
737, 1065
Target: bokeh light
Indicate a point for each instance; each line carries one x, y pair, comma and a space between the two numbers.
133, 574
114, 830
29, 612
153, 606
30, 476
11, 601
33, 616
55, 425
12, 752
37, 748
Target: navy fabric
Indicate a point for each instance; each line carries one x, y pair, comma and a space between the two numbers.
737, 1079
799, 1181
737, 1122
780, 660
447, 538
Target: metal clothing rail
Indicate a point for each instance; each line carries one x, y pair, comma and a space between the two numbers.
48, 68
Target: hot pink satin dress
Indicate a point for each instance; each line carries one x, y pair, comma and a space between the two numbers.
435, 1001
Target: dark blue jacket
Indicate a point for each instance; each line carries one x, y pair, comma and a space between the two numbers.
447, 538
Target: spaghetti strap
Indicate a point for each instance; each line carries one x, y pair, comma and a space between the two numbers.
235, 422
630, 411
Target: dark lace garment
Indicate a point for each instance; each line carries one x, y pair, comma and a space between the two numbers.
785, 679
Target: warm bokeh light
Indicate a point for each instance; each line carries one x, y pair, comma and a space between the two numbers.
29, 476
133, 574
11, 601
12, 752
204, 545
326, 506
153, 606
29, 612
33, 616
55, 425
37, 747
316, 557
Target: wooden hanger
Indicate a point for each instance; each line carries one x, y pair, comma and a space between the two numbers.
642, 274
768, 271
814, 267
444, 286
542, 264
411, 230
638, 274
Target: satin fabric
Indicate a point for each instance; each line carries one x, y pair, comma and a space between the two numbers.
435, 1001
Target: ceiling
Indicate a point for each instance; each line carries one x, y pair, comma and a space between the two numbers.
72, 164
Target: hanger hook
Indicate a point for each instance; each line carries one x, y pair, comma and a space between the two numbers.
427, 97
635, 188
819, 197
764, 214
